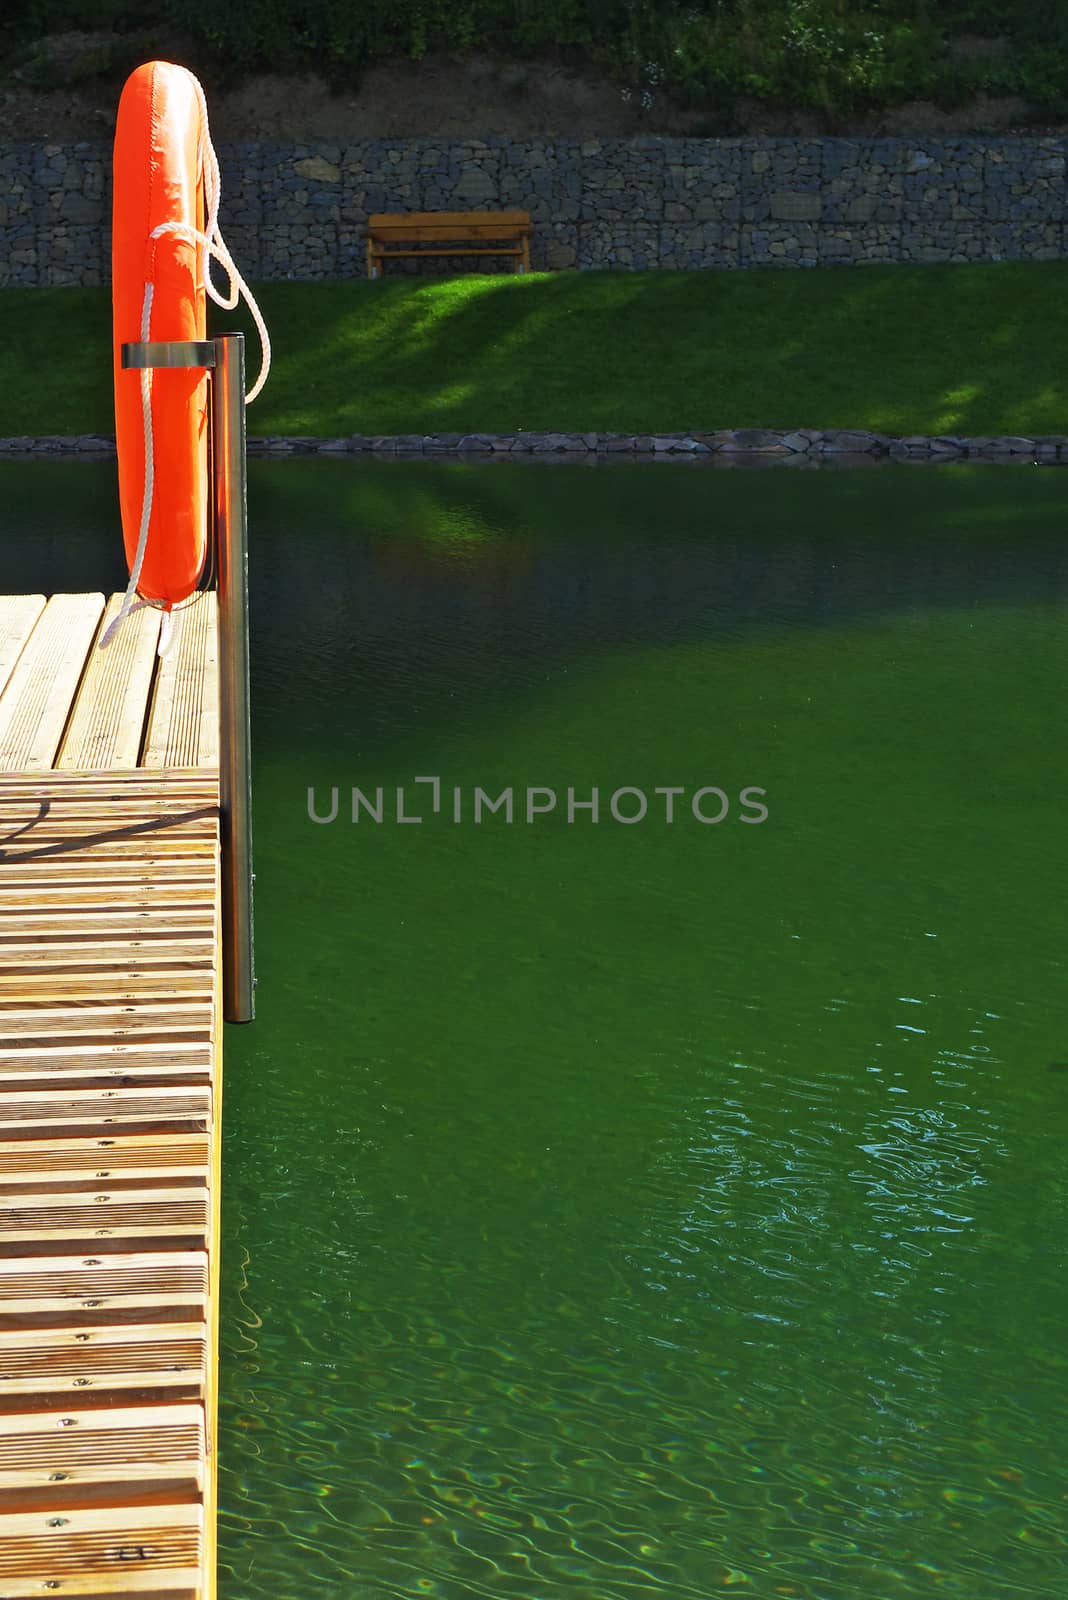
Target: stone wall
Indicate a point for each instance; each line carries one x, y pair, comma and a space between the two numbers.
724, 447
299, 210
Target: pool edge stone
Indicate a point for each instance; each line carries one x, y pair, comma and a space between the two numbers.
722, 444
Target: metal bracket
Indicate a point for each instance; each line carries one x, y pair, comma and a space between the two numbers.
169, 353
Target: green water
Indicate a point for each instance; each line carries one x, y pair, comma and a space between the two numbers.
653, 1212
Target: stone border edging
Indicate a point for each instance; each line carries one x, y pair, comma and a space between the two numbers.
724, 444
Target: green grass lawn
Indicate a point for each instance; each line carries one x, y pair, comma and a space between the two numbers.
939, 349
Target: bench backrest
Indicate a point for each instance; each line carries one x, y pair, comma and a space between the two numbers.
434, 226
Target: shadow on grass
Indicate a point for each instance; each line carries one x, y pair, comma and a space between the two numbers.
903, 349
899, 349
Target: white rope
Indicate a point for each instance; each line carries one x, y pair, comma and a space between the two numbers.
168, 632
212, 245
130, 597
217, 249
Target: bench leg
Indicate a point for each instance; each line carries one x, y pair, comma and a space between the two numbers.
373, 268
524, 264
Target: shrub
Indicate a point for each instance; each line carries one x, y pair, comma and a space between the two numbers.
840, 56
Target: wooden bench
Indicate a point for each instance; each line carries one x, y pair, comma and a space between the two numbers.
448, 233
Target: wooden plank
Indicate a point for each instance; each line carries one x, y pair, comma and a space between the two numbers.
50, 814
181, 854
152, 814
57, 847
108, 1551
41, 1243
88, 1362
90, 883
74, 1055
29, 1110
143, 921
79, 800
106, 939
24, 1104
63, 853
26, 810
35, 887
47, 1007
123, 1455
54, 822
138, 839
149, 1483
386, 242
146, 982
37, 699
38, 1290
69, 1438
16, 796
83, 1163
165, 978
153, 955
143, 1069
75, 780
153, 829
450, 250
108, 720
146, 956
144, 1076
128, 885
429, 219
183, 727
144, 1024
142, 781
92, 1486
37, 899
51, 1223
18, 618
140, 803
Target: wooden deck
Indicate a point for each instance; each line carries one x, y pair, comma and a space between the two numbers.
110, 1081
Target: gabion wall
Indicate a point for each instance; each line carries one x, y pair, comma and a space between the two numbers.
299, 211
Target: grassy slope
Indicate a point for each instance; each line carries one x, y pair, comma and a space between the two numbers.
975, 349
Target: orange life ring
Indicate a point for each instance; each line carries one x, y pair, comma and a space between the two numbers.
159, 179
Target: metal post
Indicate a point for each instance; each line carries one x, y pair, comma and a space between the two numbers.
235, 743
